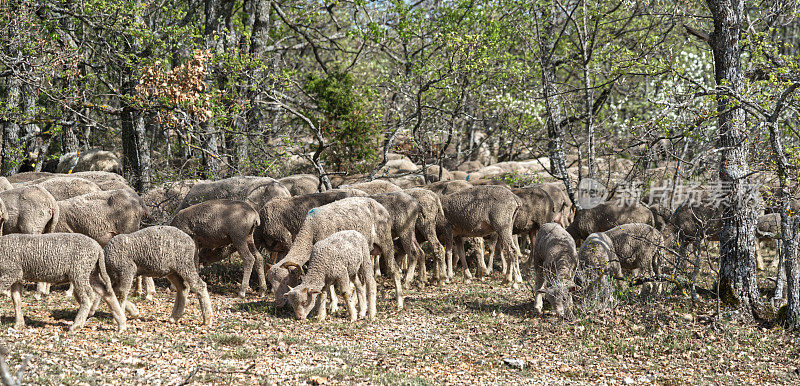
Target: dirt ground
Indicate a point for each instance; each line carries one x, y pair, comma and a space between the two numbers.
462, 333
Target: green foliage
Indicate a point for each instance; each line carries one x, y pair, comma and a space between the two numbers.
352, 135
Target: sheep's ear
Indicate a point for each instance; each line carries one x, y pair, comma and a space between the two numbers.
314, 292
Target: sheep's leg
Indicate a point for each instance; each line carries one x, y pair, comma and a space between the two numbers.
387, 250
180, 297
42, 290
377, 264
459, 251
69, 291
248, 261
83, 295
410, 249
370, 287
531, 244
509, 248
449, 258
538, 285
199, 287
259, 261
149, 287
334, 302
482, 270
322, 303
106, 292
16, 298
122, 290
358, 281
343, 284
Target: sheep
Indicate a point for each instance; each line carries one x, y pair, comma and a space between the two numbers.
768, 228
90, 160
301, 184
3, 215
281, 218
217, 224
105, 180
432, 173
336, 261
163, 201
554, 263
469, 166
606, 216
361, 214
631, 250
661, 215
480, 211
447, 187
375, 187
159, 251
27, 176
430, 209
257, 190
101, 215
561, 201
63, 188
5, 185
537, 209
31, 210
403, 212
57, 258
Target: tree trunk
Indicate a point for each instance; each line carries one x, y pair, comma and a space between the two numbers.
555, 132
11, 129
737, 283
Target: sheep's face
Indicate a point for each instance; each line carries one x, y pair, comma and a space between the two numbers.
302, 301
281, 279
560, 299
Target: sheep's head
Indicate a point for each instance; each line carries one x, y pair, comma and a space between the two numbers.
281, 278
593, 257
302, 299
560, 298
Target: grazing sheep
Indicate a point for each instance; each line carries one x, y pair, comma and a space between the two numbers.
281, 218
105, 180
554, 264
217, 224
403, 211
57, 258
430, 209
480, 211
337, 260
561, 202
301, 184
66, 187
361, 214
101, 215
375, 187
159, 251
31, 210
257, 190
447, 187
90, 160
163, 201
27, 176
631, 250
5, 185
606, 216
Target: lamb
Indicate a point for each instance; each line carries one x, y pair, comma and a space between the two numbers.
63, 188
101, 215
257, 190
281, 218
57, 258
361, 214
217, 224
301, 184
31, 210
631, 250
375, 187
554, 264
606, 216
336, 261
159, 251
480, 211
403, 212
430, 209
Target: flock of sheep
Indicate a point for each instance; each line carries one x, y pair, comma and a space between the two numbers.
85, 229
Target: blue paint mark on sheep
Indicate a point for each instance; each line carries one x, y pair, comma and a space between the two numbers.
311, 212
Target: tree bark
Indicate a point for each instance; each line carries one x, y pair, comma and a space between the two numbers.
737, 284
11, 129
